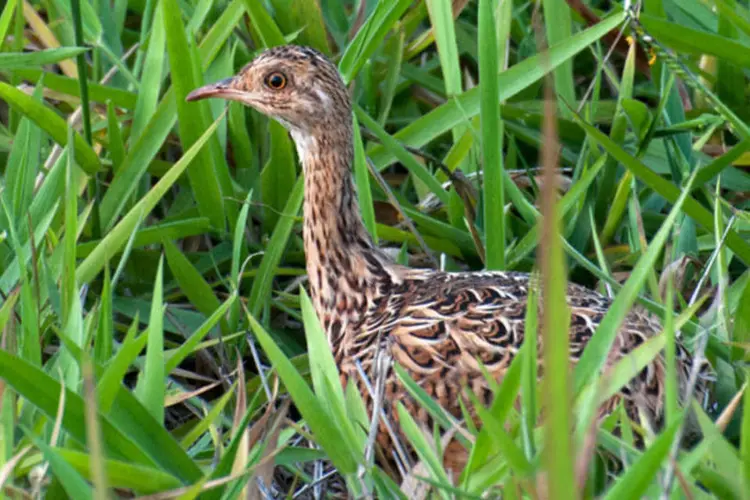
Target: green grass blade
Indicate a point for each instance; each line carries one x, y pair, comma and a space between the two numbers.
325, 376
12, 60
50, 122
370, 36
5, 19
191, 343
558, 27
191, 282
160, 124
504, 443
151, 438
209, 419
148, 95
264, 25
192, 119
511, 82
594, 356
315, 414
97, 92
112, 376
441, 17
277, 177
118, 236
72, 482
43, 391
114, 135
424, 449
665, 188
745, 441
121, 474
261, 288
150, 388
558, 452
639, 475
305, 19
414, 167
492, 140
362, 181
22, 168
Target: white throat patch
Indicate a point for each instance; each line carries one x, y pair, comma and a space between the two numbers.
305, 142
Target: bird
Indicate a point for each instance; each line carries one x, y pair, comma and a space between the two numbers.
441, 327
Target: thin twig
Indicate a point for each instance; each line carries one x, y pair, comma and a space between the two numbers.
399, 450
710, 262
259, 365
394, 202
695, 369
381, 365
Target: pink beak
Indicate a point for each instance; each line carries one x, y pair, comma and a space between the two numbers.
222, 89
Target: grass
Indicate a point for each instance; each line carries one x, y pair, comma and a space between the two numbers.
154, 336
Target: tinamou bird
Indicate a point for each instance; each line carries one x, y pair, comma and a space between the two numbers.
437, 325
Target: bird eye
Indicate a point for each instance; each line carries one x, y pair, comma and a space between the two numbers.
276, 81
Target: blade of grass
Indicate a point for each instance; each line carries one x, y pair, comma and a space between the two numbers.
114, 136
261, 288
72, 482
122, 474
492, 140
43, 391
639, 475
151, 80
117, 237
406, 158
93, 431
594, 356
510, 82
160, 124
5, 19
745, 439
264, 25
558, 27
370, 36
112, 376
50, 122
150, 387
43, 32
192, 283
75, 6
362, 181
210, 419
557, 453
665, 188
192, 119
97, 92
12, 60
191, 344
315, 414
441, 18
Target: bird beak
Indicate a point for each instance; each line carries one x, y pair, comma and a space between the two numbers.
223, 89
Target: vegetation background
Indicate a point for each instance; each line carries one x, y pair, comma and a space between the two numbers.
152, 323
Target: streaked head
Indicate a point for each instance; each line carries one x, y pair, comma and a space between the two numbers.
297, 86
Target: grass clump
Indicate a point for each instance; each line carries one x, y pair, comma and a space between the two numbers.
154, 336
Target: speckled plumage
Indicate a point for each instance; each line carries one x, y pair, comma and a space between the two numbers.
435, 324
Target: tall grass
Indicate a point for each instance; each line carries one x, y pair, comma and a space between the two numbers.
154, 336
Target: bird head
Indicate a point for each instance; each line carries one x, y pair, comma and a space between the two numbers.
297, 86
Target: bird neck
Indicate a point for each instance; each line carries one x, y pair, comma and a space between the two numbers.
343, 264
